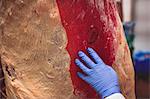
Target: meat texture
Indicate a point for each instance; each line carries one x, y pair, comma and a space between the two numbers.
34, 59
39, 39
96, 24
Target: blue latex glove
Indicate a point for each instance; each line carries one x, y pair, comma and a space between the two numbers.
99, 75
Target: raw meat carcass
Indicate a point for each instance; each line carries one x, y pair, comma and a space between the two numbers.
40, 40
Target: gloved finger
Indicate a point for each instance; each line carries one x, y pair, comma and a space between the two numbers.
86, 59
95, 56
82, 66
82, 76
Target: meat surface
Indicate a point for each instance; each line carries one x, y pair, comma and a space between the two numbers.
40, 40
33, 55
96, 24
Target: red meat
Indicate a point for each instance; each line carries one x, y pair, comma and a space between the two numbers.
89, 23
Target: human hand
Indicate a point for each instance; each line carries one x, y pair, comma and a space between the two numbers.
96, 73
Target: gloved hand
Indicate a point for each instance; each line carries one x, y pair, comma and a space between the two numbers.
96, 73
